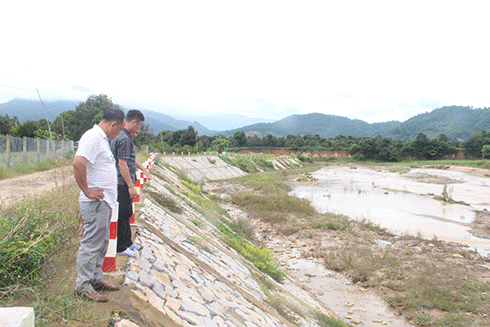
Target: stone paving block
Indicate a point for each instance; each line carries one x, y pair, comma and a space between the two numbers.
124, 323
17, 317
210, 323
173, 316
146, 279
192, 318
159, 290
191, 306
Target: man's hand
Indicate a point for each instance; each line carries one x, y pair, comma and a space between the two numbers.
95, 193
132, 192
147, 174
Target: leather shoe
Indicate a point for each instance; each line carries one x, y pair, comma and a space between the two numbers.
104, 286
92, 295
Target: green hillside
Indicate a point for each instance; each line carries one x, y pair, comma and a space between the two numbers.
455, 121
326, 126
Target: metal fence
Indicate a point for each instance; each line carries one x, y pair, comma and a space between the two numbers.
16, 151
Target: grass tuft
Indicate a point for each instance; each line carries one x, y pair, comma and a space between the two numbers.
165, 201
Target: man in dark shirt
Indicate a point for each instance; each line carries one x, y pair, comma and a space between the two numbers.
123, 150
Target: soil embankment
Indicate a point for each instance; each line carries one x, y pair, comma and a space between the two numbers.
186, 275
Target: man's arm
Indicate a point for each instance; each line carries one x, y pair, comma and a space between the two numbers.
143, 168
123, 168
80, 170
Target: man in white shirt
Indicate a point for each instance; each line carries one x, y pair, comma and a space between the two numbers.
96, 175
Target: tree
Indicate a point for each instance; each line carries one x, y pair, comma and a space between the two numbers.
253, 141
145, 136
269, 141
354, 148
188, 136
475, 143
368, 147
485, 152
239, 139
219, 144
443, 138
5, 125
44, 135
422, 147
85, 115
27, 129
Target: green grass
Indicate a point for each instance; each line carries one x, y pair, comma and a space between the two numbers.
243, 163
274, 208
328, 321
31, 232
34, 234
481, 163
264, 164
30, 168
259, 256
165, 201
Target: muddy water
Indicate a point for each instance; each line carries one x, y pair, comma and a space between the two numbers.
403, 203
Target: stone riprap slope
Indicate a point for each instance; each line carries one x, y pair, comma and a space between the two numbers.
285, 163
208, 167
212, 168
186, 272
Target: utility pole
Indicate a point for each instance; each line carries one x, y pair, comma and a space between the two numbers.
45, 115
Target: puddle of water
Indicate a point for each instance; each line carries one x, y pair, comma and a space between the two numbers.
338, 294
402, 203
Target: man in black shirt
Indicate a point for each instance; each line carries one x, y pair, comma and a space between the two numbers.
123, 150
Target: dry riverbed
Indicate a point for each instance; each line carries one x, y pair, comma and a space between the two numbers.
429, 281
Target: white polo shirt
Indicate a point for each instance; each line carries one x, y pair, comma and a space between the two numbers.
101, 166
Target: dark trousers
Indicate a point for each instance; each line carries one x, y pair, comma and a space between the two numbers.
125, 212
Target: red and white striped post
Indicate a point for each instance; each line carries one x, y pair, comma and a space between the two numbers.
109, 264
140, 180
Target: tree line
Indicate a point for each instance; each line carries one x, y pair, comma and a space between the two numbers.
71, 124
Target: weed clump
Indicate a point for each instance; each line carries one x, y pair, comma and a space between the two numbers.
32, 232
165, 201
259, 256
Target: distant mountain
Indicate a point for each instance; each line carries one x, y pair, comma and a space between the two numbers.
159, 122
455, 121
33, 110
224, 122
326, 126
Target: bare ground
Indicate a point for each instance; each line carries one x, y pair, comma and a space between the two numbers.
61, 273
13, 190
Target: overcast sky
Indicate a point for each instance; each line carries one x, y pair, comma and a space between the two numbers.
370, 60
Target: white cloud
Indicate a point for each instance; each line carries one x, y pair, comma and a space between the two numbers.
371, 60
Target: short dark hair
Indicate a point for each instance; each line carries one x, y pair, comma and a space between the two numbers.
135, 115
114, 114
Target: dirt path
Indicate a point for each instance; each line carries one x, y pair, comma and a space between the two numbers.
13, 190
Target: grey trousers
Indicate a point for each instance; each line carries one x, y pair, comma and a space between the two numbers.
93, 246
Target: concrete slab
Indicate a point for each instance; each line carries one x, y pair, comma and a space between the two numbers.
17, 317
202, 167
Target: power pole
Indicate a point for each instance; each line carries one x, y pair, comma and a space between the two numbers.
45, 115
